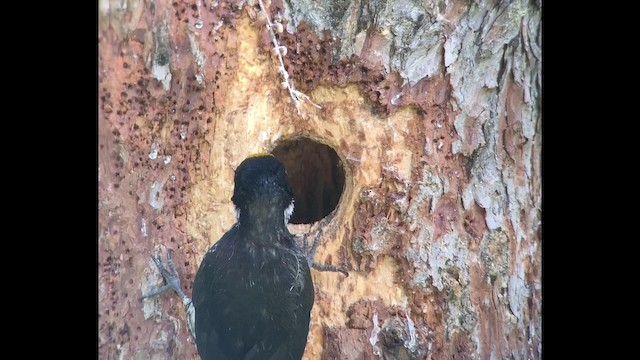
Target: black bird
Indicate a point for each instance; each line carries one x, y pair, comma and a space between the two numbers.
253, 293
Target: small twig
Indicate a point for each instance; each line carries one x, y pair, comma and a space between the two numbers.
296, 96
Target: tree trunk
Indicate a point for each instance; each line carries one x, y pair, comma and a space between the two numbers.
423, 159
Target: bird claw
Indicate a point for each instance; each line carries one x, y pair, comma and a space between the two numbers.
170, 276
312, 253
332, 268
172, 280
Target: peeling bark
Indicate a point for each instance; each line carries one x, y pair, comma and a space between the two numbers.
434, 111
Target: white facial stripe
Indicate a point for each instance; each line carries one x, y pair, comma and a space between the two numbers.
288, 212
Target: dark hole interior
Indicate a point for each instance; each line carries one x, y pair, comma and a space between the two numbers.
316, 175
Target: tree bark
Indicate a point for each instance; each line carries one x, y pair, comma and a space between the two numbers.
434, 111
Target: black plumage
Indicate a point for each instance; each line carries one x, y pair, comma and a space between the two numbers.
253, 292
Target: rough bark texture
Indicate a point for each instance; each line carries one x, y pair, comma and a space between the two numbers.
434, 110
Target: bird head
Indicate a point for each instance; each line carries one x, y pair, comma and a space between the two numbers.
262, 191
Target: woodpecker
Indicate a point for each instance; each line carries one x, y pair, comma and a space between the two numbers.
253, 293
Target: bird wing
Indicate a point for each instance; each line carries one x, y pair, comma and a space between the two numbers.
293, 347
206, 297
265, 321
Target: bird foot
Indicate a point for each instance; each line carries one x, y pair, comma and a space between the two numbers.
332, 268
172, 280
170, 276
311, 253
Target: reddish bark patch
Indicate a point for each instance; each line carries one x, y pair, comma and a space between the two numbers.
479, 292
353, 342
395, 337
474, 224
445, 217
360, 313
461, 347
347, 344
511, 139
